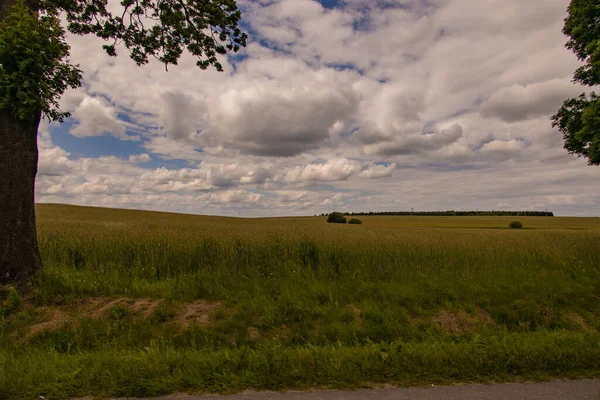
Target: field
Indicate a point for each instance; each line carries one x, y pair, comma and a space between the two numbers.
134, 303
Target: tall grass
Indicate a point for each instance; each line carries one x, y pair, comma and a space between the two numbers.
160, 370
110, 252
302, 302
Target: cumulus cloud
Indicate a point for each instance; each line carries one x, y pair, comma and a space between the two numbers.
181, 115
334, 170
231, 196
224, 175
501, 146
446, 102
500, 150
416, 143
280, 118
53, 161
518, 102
206, 176
394, 112
377, 171
95, 118
140, 158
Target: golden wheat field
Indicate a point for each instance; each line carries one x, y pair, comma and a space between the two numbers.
139, 303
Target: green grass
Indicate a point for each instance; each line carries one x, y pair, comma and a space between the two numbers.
277, 303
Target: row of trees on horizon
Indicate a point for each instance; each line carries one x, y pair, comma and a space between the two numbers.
453, 213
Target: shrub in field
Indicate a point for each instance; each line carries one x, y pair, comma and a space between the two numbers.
336, 218
355, 221
516, 225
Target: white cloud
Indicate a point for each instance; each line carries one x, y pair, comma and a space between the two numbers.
415, 142
231, 196
140, 158
96, 118
377, 171
498, 150
446, 103
280, 117
181, 115
53, 161
335, 170
517, 102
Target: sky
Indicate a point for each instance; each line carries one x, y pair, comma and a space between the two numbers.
352, 105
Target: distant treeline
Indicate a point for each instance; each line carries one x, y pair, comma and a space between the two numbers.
458, 213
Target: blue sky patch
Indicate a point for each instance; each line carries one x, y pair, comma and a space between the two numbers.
92, 146
158, 162
330, 3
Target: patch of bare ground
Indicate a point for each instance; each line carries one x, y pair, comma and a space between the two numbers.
145, 307
454, 321
97, 307
284, 332
577, 320
52, 320
484, 317
199, 312
357, 311
460, 321
253, 333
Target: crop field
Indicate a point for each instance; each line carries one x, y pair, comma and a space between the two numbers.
135, 303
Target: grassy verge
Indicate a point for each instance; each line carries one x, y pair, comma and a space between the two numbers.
137, 303
160, 369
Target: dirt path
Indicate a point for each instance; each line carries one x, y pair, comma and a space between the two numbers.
588, 389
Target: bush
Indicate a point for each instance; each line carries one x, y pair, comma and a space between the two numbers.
336, 218
516, 225
355, 221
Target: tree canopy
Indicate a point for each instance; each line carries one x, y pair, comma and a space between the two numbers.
34, 66
159, 28
34, 69
579, 118
336, 218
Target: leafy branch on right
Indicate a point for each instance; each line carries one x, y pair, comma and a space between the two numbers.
579, 118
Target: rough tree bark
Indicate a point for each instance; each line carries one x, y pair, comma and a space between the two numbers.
19, 253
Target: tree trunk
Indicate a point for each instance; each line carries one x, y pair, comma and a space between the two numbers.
19, 253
